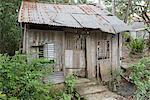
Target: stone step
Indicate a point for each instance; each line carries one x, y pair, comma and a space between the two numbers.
107, 95
79, 85
85, 90
82, 80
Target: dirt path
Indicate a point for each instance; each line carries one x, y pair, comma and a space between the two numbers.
90, 90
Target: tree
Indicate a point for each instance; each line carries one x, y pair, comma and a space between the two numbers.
113, 7
9, 29
127, 11
124, 8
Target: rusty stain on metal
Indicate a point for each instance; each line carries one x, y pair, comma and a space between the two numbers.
76, 16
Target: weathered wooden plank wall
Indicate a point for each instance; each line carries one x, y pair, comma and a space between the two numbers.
37, 38
71, 47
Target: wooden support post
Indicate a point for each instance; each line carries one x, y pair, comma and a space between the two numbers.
115, 52
91, 56
120, 48
24, 38
27, 39
63, 60
88, 51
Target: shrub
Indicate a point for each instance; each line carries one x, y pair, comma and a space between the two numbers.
137, 45
68, 92
22, 80
141, 78
115, 79
70, 84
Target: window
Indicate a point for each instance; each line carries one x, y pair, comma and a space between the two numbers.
103, 49
49, 51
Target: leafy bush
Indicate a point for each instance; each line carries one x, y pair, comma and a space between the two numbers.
69, 90
141, 78
137, 46
21, 80
70, 84
66, 96
115, 79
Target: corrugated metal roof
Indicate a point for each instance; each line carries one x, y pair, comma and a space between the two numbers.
77, 16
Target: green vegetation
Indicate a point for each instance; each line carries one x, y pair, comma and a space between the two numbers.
115, 80
22, 80
137, 46
141, 78
70, 84
69, 88
10, 33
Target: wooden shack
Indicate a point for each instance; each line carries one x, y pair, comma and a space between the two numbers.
82, 39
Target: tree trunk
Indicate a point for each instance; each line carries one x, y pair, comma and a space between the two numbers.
127, 11
114, 7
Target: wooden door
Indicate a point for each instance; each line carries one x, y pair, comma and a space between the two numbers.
103, 60
75, 54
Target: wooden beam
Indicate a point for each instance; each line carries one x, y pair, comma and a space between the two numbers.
88, 53
63, 54
115, 52
120, 48
24, 38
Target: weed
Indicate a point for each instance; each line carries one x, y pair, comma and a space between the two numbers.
141, 78
137, 46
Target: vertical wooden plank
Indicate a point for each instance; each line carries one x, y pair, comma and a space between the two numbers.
115, 53
88, 53
27, 40
105, 69
82, 59
42, 34
34, 37
93, 54
24, 39
47, 36
58, 48
31, 42
120, 48
63, 53
68, 58
37, 42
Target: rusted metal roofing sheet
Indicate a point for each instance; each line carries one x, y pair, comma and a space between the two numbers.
76, 16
